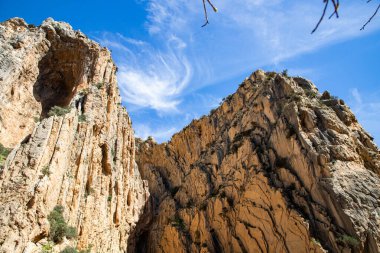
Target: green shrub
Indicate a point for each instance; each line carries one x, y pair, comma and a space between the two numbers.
285, 72
47, 248
71, 233
58, 111
69, 249
4, 152
311, 94
82, 118
84, 92
58, 226
99, 85
46, 171
109, 198
349, 240
271, 75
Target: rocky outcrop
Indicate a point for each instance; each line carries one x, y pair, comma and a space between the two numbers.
276, 168
73, 141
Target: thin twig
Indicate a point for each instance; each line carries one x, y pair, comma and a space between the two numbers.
336, 7
204, 7
205, 10
370, 19
323, 15
213, 7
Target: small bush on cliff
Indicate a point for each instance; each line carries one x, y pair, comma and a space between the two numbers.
4, 152
285, 72
74, 250
46, 171
58, 226
349, 241
271, 75
99, 85
58, 111
82, 118
84, 92
47, 248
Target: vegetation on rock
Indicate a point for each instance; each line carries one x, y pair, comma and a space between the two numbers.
58, 226
4, 152
58, 111
74, 250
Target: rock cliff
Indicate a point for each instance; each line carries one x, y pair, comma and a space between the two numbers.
277, 167
73, 144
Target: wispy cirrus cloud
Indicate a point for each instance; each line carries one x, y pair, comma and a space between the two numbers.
150, 77
248, 34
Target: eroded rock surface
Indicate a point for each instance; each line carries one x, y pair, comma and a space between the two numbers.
276, 168
82, 157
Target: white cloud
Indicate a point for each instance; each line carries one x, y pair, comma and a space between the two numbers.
356, 95
144, 131
149, 77
248, 34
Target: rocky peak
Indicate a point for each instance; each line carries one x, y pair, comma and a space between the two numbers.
277, 167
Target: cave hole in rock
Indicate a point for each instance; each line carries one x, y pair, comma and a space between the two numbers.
61, 71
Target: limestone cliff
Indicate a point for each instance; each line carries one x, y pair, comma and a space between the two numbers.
73, 144
277, 167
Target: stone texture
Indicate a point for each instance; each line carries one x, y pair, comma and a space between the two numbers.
89, 152
276, 168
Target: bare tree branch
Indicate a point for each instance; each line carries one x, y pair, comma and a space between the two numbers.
205, 10
370, 19
204, 7
323, 15
336, 7
335, 13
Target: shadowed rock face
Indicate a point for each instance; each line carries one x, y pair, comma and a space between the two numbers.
82, 159
276, 168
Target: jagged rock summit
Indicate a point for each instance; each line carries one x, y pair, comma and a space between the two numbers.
278, 167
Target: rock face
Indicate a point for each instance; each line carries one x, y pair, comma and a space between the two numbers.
276, 168
80, 155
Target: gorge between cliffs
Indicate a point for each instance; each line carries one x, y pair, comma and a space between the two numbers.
277, 167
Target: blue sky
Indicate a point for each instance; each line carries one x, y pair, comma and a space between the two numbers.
171, 70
